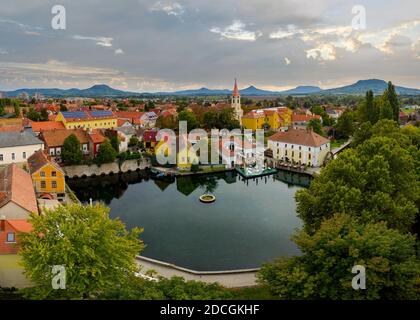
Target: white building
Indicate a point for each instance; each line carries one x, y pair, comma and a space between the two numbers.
16, 147
235, 151
299, 146
125, 133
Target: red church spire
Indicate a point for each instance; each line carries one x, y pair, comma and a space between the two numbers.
235, 89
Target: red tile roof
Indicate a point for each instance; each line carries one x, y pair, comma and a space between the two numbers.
16, 186
299, 136
39, 159
96, 137
46, 125
55, 138
304, 117
20, 225
129, 114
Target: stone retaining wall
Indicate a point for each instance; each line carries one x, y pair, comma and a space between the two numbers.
106, 169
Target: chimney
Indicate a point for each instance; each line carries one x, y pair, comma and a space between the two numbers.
2, 223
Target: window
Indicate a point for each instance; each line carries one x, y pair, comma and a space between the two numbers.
43, 185
53, 173
24, 155
11, 237
300, 148
54, 184
309, 148
300, 155
13, 156
310, 156
42, 173
51, 152
1, 157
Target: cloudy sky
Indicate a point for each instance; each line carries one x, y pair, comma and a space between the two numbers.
152, 45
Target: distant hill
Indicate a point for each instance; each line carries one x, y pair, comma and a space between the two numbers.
377, 86
102, 90
303, 90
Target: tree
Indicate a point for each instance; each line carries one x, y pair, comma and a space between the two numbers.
211, 120
345, 125
44, 115
106, 153
33, 115
115, 143
315, 125
376, 181
71, 153
97, 252
227, 119
190, 118
328, 256
175, 288
134, 141
16, 111
386, 111
391, 96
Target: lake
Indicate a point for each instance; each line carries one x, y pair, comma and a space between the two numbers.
249, 223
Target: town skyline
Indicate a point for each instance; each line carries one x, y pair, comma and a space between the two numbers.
143, 46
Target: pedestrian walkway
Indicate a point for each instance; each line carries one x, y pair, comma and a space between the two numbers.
229, 279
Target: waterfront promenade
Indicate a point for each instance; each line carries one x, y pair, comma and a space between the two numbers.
229, 279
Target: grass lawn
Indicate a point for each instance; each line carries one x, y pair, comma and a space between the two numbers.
338, 143
253, 293
9, 261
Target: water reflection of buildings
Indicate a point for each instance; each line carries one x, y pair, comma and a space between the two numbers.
114, 186
292, 178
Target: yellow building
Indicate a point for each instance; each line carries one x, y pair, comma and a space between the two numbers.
88, 119
267, 119
185, 156
47, 176
299, 146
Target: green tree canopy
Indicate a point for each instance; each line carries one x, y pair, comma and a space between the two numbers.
96, 251
376, 181
190, 118
316, 126
106, 153
328, 256
345, 125
71, 152
115, 143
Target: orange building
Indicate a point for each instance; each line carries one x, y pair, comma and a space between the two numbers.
9, 234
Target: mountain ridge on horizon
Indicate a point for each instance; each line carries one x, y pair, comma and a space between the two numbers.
103, 90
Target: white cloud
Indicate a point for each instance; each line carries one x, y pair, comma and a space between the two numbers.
19, 24
171, 9
236, 31
119, 51
287, 61
323, 52
3, 51
100, 41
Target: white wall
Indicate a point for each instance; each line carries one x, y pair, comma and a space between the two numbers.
18, 151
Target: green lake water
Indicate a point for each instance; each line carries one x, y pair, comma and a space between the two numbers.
249, 223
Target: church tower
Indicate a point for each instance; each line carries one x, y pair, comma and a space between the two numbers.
236, 103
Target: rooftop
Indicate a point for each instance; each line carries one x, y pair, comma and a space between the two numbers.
16, 186
38, 160
55, 138
299, 136
46, 125
15, 139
